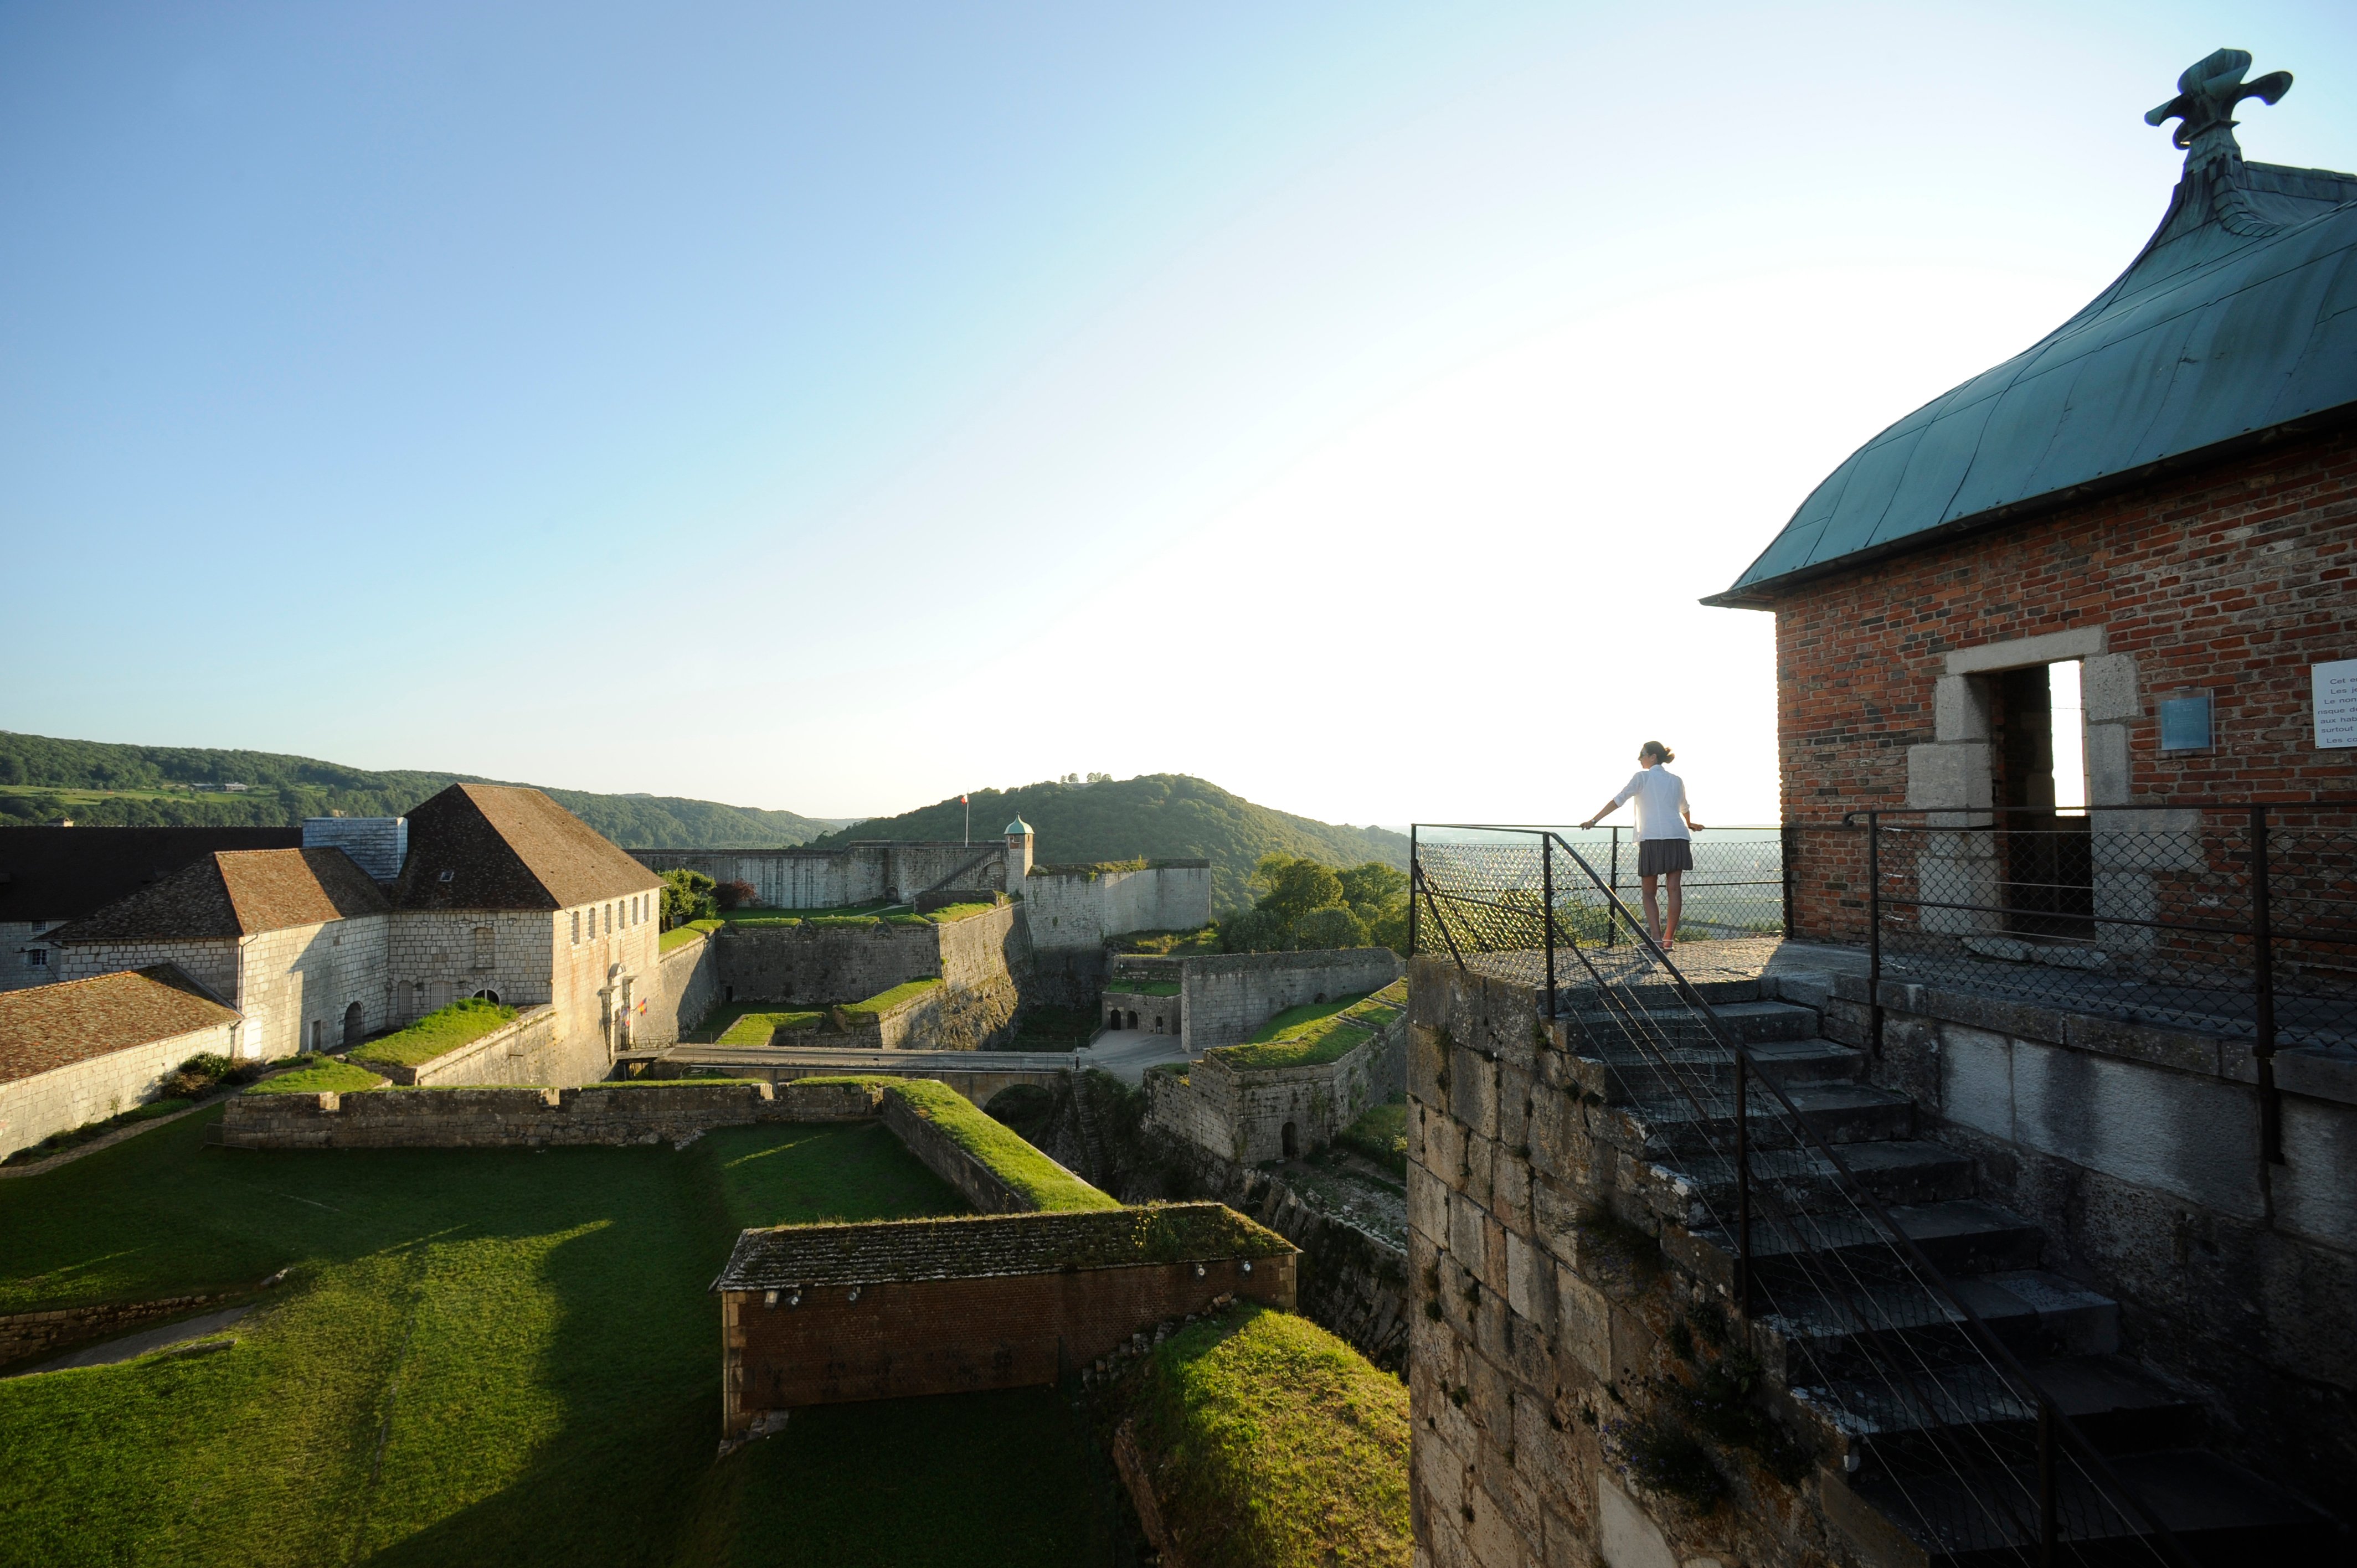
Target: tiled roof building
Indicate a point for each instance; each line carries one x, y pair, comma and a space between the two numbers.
49, 876
85, 1049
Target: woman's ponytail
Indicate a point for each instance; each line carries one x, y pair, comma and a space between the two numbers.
1657, 751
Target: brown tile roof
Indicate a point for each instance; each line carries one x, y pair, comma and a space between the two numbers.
236, 892
505, 847
980, 1246
48, 1027
63, 873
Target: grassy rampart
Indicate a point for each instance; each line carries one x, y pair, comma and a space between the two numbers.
882, 1002
324, 1076
444, 1029
995, 1146
1273, 1444
1315, 1032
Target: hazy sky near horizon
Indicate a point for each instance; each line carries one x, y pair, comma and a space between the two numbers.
837, 408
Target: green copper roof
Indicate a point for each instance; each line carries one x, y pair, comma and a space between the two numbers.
1017, 826
2239, 315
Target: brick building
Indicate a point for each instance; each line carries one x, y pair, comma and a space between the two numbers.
831, 1314
2155, 506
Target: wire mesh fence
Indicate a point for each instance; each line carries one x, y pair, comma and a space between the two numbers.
2232, 920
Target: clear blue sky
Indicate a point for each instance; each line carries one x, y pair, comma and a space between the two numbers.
835, 408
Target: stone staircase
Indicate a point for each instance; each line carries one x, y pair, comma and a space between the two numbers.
1934, 1453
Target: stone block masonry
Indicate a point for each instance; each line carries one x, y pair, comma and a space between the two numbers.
687, 985
25, 1335
1243, 1115
610, 1114
809, 963
526, 1050
96, 1088
1222, 999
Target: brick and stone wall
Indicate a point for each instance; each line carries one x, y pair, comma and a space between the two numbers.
1240, 1114
1222, 999
901, 1339
284, 982
2231, 580
25, 1335
93, 1089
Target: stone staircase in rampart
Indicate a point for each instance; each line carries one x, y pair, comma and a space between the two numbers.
1940, 1452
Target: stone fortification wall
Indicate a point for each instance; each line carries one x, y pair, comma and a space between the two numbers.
686, 984
529, 1050
2137, 1150
830, 878
983, 948
96, 1088
824, 963
1224, 999
1240, 1114
1081, 908
940, 1155
25, 1335
529, 1118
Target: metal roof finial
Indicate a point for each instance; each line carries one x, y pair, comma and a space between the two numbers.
2206, 96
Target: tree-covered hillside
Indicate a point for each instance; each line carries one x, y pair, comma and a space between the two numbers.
1160, 815
102, 785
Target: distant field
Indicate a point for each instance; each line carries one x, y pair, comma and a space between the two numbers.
488, 1357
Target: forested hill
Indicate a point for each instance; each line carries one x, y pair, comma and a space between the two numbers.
102, 785
1160, 815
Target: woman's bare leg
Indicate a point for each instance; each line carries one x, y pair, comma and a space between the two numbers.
1653, 908
1677, 906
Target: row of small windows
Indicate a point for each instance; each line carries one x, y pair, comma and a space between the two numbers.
633, 911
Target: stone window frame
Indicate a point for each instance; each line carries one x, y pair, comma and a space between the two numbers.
1956, 770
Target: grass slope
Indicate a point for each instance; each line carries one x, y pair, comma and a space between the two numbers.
1158, 815
444, 1029
1012, 1160
101, 784
492, 1356
1316, 1031
1273, 1444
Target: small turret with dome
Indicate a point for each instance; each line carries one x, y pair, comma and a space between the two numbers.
1018, 853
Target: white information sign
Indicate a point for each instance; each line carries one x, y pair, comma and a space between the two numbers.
2335, 705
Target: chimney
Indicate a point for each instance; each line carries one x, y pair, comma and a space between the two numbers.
377, 844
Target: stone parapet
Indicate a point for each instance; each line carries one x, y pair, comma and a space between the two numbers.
528, 1117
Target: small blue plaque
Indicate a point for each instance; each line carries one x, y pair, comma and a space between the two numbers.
2185, 724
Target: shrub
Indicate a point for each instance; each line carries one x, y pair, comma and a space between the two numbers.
688, 896
733, 894
1256, 930
1668, 1459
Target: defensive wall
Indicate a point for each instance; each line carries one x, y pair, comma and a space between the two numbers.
873, 871
1243, 1114
527, 1049
1222, 998
1079, 906
687, 985
991, 1073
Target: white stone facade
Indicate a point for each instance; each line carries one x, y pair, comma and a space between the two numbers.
98, 1087
22, 961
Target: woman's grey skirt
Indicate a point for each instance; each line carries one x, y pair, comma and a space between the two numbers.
1655, 856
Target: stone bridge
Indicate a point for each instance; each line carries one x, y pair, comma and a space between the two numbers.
978, 1075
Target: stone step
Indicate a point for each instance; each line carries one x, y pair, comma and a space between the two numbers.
1960, 1236
1749, 1022
1576, 992
2220, 1512
1668, 1129
1917, 1414
1811, 1331
1702, 1189
1625, 1074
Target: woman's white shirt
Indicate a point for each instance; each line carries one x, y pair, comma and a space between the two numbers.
1660, 796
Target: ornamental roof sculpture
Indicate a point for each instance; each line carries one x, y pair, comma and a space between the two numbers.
2239, 317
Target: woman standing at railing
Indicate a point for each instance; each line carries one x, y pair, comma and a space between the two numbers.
1665, 831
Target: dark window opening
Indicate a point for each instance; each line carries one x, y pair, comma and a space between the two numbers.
1133, 1020
1291, 1141
355, 1030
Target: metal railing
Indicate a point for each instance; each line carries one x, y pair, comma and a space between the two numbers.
1522, 903
2227, 919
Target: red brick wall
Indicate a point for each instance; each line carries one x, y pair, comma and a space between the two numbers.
934, 1337
2234, 579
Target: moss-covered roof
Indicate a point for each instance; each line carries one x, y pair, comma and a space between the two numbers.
983, 1246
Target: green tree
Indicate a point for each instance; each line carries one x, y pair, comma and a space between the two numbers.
1292, 886
1372, 883
1331, 927
687, 895
1256, 930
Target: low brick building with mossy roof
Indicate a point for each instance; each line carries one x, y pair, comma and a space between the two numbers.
831, 1314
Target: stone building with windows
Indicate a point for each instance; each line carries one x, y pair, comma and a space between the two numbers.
50, 876
496, 892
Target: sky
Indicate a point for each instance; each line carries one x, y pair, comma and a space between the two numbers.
834, 409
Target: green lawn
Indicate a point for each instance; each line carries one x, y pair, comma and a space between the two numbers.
444, 1029
1317, 1032
680, 936
485, 1356
319, 1077
1141, 987
885, 1000
1273, 1444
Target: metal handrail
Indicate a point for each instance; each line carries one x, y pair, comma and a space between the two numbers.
2051, 1418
